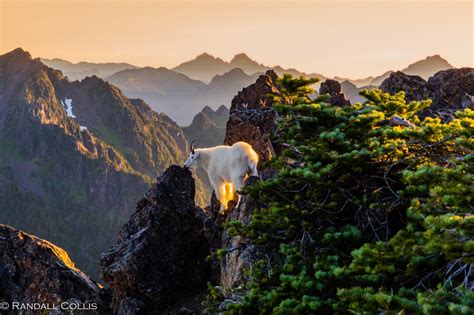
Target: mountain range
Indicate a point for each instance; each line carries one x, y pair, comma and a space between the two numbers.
77, 155
424, 68
204, 67
181, 92
80, 70
208, 126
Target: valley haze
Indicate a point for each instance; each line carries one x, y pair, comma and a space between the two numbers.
181, 92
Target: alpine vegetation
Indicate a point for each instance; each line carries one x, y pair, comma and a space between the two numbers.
366, 213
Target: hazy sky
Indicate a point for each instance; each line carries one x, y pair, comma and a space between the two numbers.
345, 38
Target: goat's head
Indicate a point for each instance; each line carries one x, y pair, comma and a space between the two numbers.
193, 155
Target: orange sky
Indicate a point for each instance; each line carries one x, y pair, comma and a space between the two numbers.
345, 38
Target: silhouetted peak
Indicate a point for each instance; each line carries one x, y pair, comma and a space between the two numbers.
149, 69
236, 71
242, 57
434, 57
348, 83
222, 109
205, 56
428, 66
229, 76
231, 73
207, 109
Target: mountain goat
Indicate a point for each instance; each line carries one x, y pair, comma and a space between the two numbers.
225, 166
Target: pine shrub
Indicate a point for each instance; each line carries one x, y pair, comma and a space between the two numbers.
365, 215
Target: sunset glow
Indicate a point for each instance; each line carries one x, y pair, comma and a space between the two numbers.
345, 38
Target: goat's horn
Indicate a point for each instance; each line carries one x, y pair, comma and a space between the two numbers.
191, 146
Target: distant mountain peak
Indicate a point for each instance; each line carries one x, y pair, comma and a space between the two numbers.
208, 57
207, 109
233, 73
222, 110
232, 77
237, 70
241, 57
246, 63
436, 56
428, 66
205, 55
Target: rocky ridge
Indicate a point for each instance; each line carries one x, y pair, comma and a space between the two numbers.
450, 90
333, 88
252, 118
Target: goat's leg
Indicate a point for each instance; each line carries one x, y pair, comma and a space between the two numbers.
219, 190
238, 184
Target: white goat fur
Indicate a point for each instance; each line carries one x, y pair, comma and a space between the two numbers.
225, 165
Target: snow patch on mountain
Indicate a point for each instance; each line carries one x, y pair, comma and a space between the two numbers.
67, 104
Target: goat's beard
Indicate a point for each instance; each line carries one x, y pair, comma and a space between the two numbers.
192, 167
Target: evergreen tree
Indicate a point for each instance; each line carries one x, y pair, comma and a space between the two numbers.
370, 211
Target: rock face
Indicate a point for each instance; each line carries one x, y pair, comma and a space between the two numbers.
333, 88
161, 252
252, 118
239, 252
450, 90
33, 270
414, 86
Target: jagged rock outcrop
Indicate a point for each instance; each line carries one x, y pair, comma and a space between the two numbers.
160, 255
414, 86
333, 88
252, 118
33, 270
450, 90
